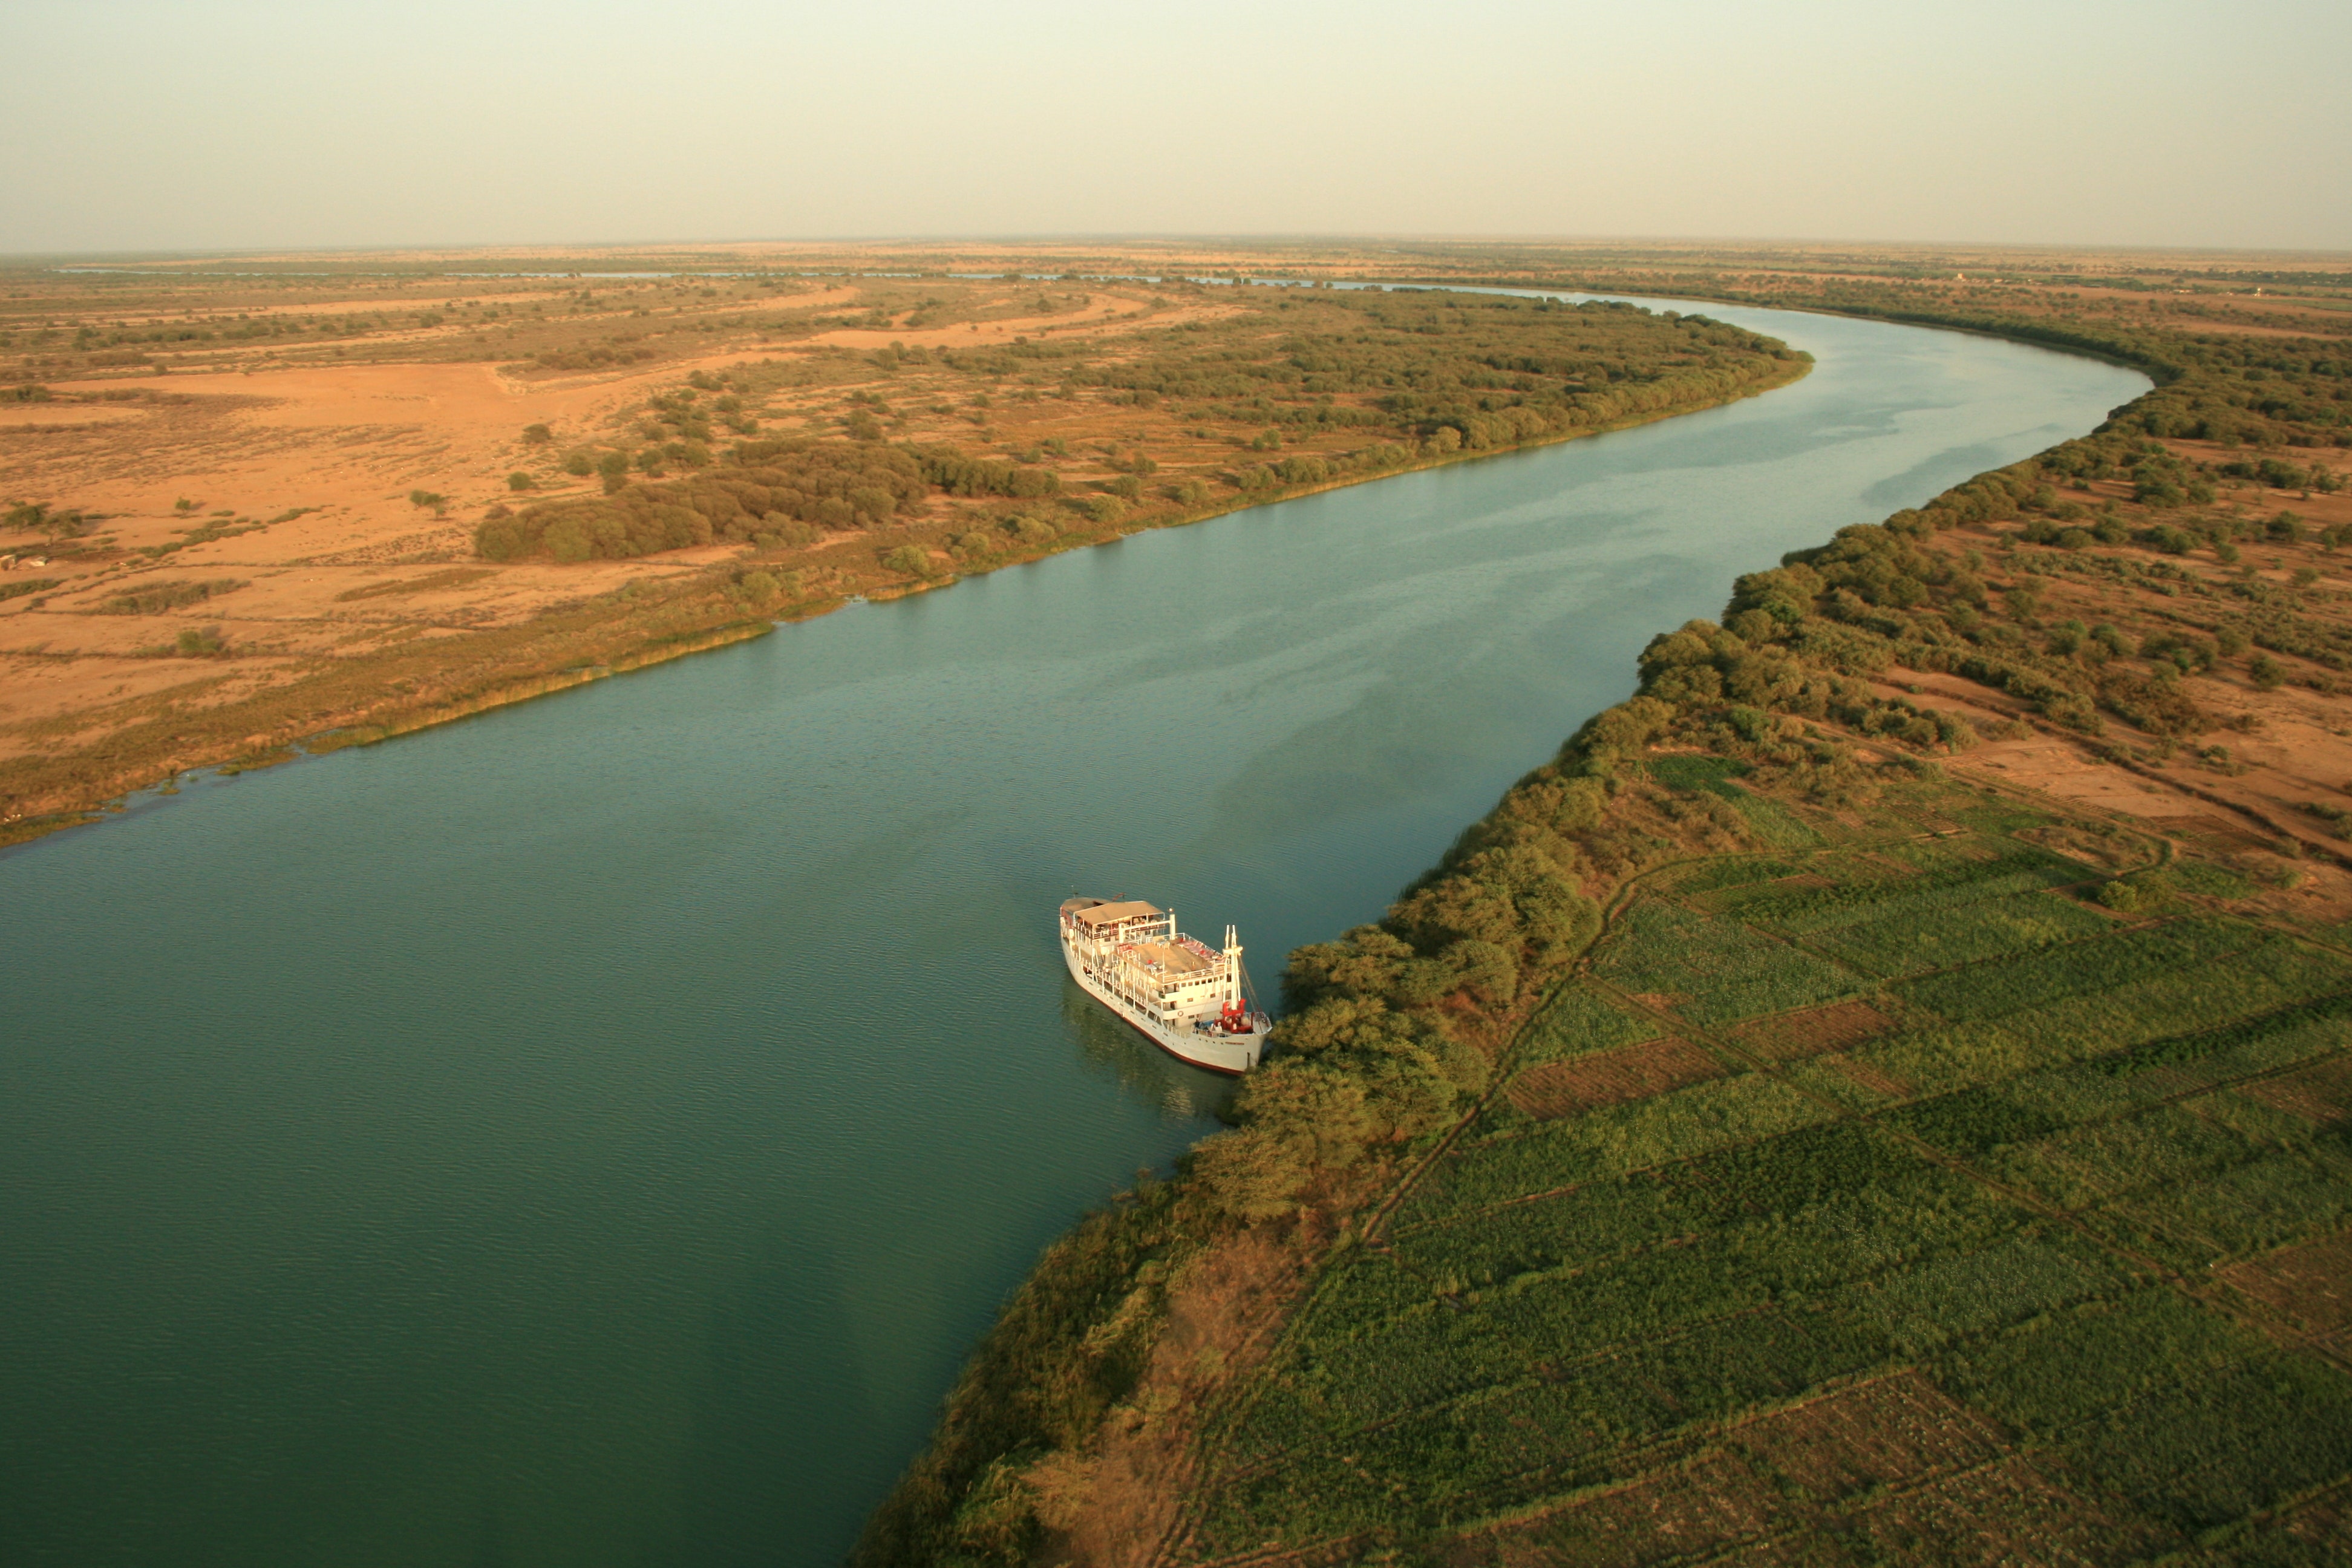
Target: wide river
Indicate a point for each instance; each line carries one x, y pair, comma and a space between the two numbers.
594, 1133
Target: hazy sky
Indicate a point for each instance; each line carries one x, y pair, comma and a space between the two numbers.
212, 124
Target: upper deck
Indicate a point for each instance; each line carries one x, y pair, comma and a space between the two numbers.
1172, 960
1103, 920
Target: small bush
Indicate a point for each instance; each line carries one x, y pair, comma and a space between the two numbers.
518, 480
154, 598
1031, 530
2138, 893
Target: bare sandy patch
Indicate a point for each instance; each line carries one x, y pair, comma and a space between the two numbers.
1687, 1513
1868, 1076
1929, 689
2321, 1093
1787, 1036
2065, 771
2311, 1283
1114, 314
1876, 1435
41, 415
1611, 1078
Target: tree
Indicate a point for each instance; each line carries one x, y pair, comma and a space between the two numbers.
536, 435
34, 517
1253, 1174
518, 480
434, 498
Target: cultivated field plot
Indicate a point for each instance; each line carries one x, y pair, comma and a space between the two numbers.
1889, 1199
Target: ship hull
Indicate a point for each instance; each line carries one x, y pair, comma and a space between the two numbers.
1231, 1054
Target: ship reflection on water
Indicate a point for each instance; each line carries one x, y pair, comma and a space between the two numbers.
1142, 1069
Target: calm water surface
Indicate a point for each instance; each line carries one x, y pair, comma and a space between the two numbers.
593, 1133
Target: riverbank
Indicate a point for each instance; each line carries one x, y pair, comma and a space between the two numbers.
375, 636
1900, 776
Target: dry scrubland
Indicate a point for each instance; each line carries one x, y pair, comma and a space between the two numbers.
253, 506
1878, 1095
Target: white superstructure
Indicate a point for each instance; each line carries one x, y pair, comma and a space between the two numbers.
1186, 997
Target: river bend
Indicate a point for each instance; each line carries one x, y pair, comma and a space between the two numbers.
593, 1133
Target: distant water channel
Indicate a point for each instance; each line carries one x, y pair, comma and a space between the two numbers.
594, 1133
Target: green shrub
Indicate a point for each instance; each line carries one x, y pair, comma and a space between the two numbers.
154, 598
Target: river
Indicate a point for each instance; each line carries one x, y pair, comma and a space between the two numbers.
593, 1133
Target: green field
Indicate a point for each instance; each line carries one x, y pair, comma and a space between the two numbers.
1982, 1261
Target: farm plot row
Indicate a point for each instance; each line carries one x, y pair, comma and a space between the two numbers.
2198, 1419
1712, 971
1887, 1470
1842, 925
2135, 1014
1631, 1259
1442, 1465
1909, 907
1643, 1246
1416, 1412
1607, 1142
2139, 1001
1900, 878
1770, 820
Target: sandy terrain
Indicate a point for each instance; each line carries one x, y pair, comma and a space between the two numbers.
29, 416
305, 468
2248, 778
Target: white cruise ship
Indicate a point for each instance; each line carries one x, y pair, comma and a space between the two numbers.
1183, 997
